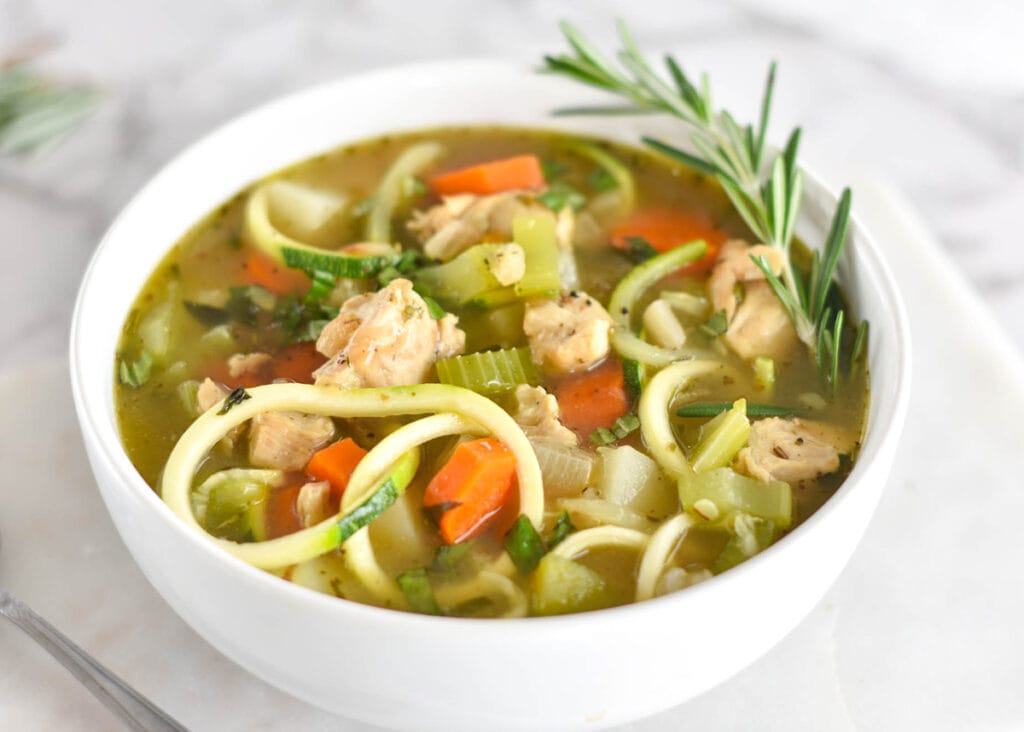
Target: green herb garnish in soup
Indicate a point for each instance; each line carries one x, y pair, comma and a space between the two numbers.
493, 372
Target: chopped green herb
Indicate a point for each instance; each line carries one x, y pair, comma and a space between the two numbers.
713, 409
436, 311
601, 180
623, 426
561, 194
413, 187
524, 545
634, 374
449, 556
639, 249
236, 397
136, 373
563, 527
552, 168
206, 314
415, 585
715, 325
323, 284
301, 322
407, 263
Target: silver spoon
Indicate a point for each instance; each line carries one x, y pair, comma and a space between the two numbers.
135, 710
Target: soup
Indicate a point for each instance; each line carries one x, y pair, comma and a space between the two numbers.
483, 372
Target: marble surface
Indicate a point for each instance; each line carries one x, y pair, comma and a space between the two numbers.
922, 629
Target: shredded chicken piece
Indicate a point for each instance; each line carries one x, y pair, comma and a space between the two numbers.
734, 266
537, 413
759, 325
387, 338
287, 440
507, 263
209, 394
313, 504
242, 364
793, 450
461, 221
569, 334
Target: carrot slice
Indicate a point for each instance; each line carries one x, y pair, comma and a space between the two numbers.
263, 271
297, 361
335, 464
520, 172
282, 519
592, 399
474, 484
666, 228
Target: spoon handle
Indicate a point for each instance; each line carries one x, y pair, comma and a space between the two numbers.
137, 712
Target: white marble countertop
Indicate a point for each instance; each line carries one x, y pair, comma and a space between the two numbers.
922, 629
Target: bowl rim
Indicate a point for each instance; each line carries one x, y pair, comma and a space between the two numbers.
116, 460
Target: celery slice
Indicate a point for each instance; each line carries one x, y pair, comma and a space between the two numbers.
465, 278
500, 327
722, 438
560, 586
764, 374
489, 372
535, 233
229, 503
730, 492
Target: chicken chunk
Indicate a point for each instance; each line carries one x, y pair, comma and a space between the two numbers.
252, 364
569, 334
387, 338
287, 440
793, 450
759, 325
313, 504
210, 394
537, 413
461, 221
507, 263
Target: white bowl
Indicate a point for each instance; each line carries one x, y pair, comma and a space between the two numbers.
428, 673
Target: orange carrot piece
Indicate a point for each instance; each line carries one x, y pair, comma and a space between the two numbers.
666, 228
475, 483
282, 519
335, 464
520, 172
592, 399
263, 271
297, 361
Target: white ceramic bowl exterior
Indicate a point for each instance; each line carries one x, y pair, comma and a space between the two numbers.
414, 672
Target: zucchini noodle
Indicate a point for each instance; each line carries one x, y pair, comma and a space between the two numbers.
624, 183
602, 536
267, 237
358, 552
657, 553
331, 401
485, 584
627, 295
655, 402
411, 162
600, 512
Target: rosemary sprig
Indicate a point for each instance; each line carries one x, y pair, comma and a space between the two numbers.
766, 196
35, 112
